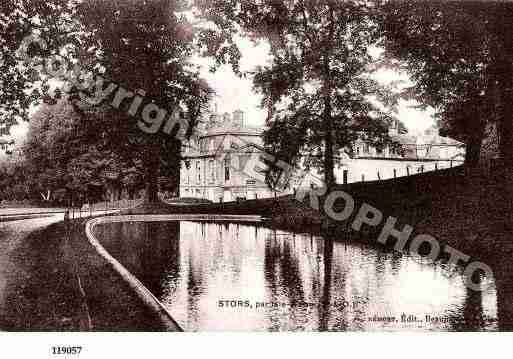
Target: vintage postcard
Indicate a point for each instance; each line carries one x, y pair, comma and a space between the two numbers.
255, 166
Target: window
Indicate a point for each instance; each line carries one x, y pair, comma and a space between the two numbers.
212, 165
227, 169
198, 171
187, 164
366, 148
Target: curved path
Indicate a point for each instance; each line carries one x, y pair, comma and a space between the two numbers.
35, 290
12, 237
141, 291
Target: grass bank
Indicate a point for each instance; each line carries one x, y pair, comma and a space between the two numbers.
461, 208
465, 209
61, 284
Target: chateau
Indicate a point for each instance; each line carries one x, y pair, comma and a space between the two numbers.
210, 162
219, 163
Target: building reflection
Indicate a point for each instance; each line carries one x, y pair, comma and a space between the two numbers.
292, 281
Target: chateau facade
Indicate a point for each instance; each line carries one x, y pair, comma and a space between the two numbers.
222, 163
216, 165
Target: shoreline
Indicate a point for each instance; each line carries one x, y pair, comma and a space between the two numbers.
87, 272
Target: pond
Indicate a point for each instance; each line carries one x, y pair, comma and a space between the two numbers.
236, 276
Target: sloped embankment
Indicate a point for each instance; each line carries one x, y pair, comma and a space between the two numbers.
62, 284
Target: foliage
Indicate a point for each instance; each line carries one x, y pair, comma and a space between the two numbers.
135, 44
145, 45
64, 155
21, 86
318, 87
458, 55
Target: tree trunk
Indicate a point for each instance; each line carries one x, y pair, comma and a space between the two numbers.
151, 192
506, 127
503, 72
473, 150
151, 175
329, 166
175, 177
505, 84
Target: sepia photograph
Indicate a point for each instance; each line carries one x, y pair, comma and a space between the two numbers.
255, 166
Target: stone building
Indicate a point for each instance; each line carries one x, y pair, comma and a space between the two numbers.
219, 164
426, 146
6, 146
424, 152
216, 163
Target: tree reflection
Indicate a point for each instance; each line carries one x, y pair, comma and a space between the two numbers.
324, 313
473, 310
504, 283
271, 262
156, 252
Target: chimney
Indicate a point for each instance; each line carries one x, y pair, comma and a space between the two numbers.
238, 119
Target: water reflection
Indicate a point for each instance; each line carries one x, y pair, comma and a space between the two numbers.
241, 277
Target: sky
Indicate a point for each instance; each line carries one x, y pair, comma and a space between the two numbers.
233, 92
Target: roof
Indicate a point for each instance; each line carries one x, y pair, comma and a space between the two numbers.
6, 142
405, 139
224, 130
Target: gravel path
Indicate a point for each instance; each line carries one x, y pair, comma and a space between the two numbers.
13, 211
51, 279
17, 268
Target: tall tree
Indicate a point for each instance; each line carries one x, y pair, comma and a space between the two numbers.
21, 86
64, 156
136, 45
459, 56
318, 87
146, 46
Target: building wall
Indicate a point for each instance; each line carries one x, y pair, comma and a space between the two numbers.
225, 149
369, 168
220, 179
206, 176
216, 169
